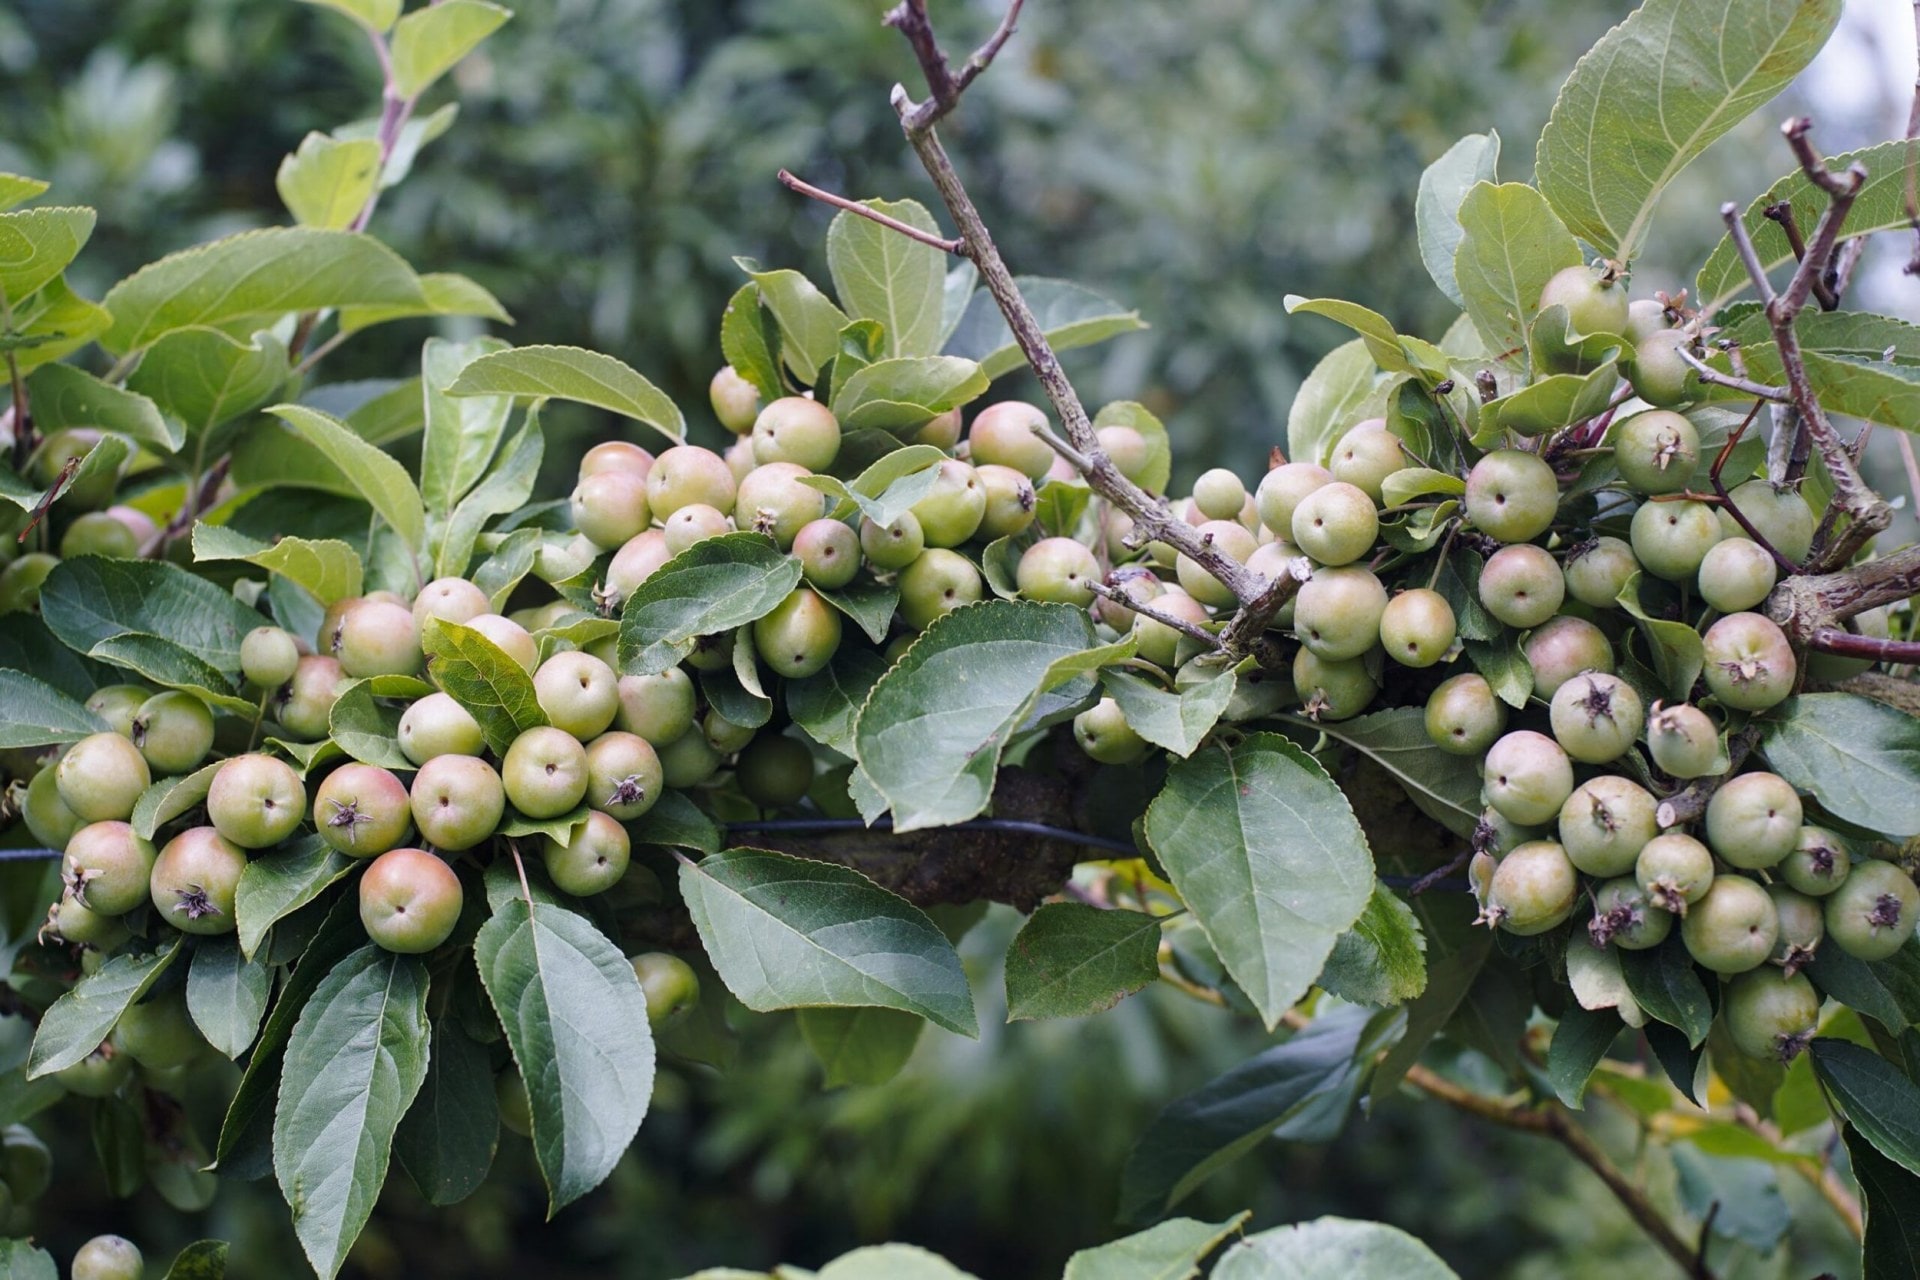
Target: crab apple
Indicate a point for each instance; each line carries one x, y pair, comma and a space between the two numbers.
509, 637
772, 500
1332, 688
1645, 316
1656, 451
268, 657
1873, 914
1282, 490
158, 1032
578, 692
659, 708
610, 507
735, 401
118, 704
688, 761
670, 985
410, 901
1231, 539
616, 455
1596, 717
47, 816
194, 879
1749, 664
101, 777
686, 474
797, 430
1512, 496
1534, 889
1594, 301
800, 636
1802, 926
623, 775
362, 809
304, 705
1684, 741
1597, 571
436, 725
1528, 776
1006, 435
1605, 824
828, 552
450, 599
1138, 585
953, 509
636, 561
256, 801
457, 801
108, 1258
1625, 916
1561, 648
941, 431
1219, 494
1417, 627
20, 582
1659, 374
1819, 863
26, 1165
1337, 612
97, 533
174, 731
545, 772
1676, 869
714, 652
937, 582
1158, 642
1737, 574
1336, 524
892, 546
81, 925
1521, 585
1057, 570
98, 1075
1463, 715
1366, 455
1753, 821
108, 866
739, 458
1670, 539
1011, 502
1104, 734
377, 638
774, 771
1733, 927
1770, 1015
1781, 515
1127, 448
592, 858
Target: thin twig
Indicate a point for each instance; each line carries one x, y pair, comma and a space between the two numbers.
870, 213
1746, 386
1752, 530
1145, 609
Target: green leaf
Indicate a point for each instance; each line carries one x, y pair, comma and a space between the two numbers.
204, 378
1677, 652
443, 293
519, 826
75, 1024
280, 882
103, 459
1177, 721
328, 181
1746, 1191
353, 1065
1382, 959
1887, 991
1511, 244
461, 434
882, 275
271, 454
427, 43
1666, 985
892, 485
1877, 1097
1405, 485
1346, 387
1858, 757
1071, 960
495, 690
750, 340
1266, 852
576, 1020
902, 394
383, 482
570, 373
1505, 667
64, 396
786, 933
1436, 205
1070, 316
201, 1260
35, 714
376, 15
227, 994
1304, 1085
366, 730
91, 602
446, 1140
1653, 93
827, 704
1172, 1250
713, 586
256, 276
808, 321
37, 244
326, 569
1579, 1042
676, 822
506, 489
1332, 1249
1158, 468
1549, 404
869, 604
15, 189
171, 666
169, 798
19, 1260
58, 322
1383, 343
859, 1046
932, 731
1891, 1197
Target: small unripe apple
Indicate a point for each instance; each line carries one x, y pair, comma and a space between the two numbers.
1366, 455
1656, 451
268, 657
377, 638
670, 985
951, 512
772, 500
800, 636
735, 401
796, 430
1104, 734
256, 801
1011, 502
695, 522
1521, 585
545, 772
1336, 524
1781, 515
1219, 494
436, 725
101, 777
1005, 435
659, 708
1231, 539
1561, 648
509, 637
1057, 570
616, 455
1749, 662
935, 583
362, 810
892, 546
579, 693
457, 801
687, 473
942, 432
1597, 571
1281, 491
610, 508
1511, 495
637, 561
828, 552
592, 859
1417, 627
454, 599
1670, 539
623, 775
409, 901
98, 534
118, 704
174, 731
1127, 448
194, 879
775, 771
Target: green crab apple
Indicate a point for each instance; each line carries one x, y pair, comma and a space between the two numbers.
545, 772
1675, 869
772, 500
1873, 914
20, 581
451, 599
671, 987
118, 704
794, 429
1159, 642
268, 657
1605, 824
659, 707
304, 705
1563, 647
579, 693
1780, 514
592, 858
1512, 496
636, 561
892, 546
108, 1258
1671, 539
46, 814
1598, 570
101, 777
1624, 915
1733, 927
616, 455
1656, 451
1684, 741
362, 810
1595, 302
1282, 490
686, 474
611, 507
410, 901
774, 771
509, 637
1528, 777
1737, 575
1058, 570
828, 552
98, 533
1802, 926
174, 731
1533, 889
108, 867
688, 761
1366, 455
1220, 494
1011, 502
457, 801
1521, 585
1338, 612
1417, 627
623, 775
1127, 448
1463, 716
1336, 523
256, 801
937, 582
1596, 717
1231, 539
1749, 662
1770, 1014
1754, 820
1819, 863
1332, 688
158, 1032
377, 638
98, 1075
194, 879
735, 401
436, 725
953, 509
800, 636
1104, 734
1659, 373
1007, 434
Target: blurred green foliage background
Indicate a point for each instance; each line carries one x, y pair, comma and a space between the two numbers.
1198, 160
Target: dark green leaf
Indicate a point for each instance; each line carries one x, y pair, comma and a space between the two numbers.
64, 396
75, 1024
1579, 1042
280, 882
506, 488
33, 714
1858, 757
37, 244
1381, 960
495, 689
461, 434
227, 994
713, 586
1891, 1205
1436, 206
91, 602
365, 729
1445, 786
859, 1046
750, 341
1888, 991
868, 603
1742, 1196
1071, 960
1512, 243
1877, 1097
827, 703
1346, 387
1177, 721
1669, 988
447, 1139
